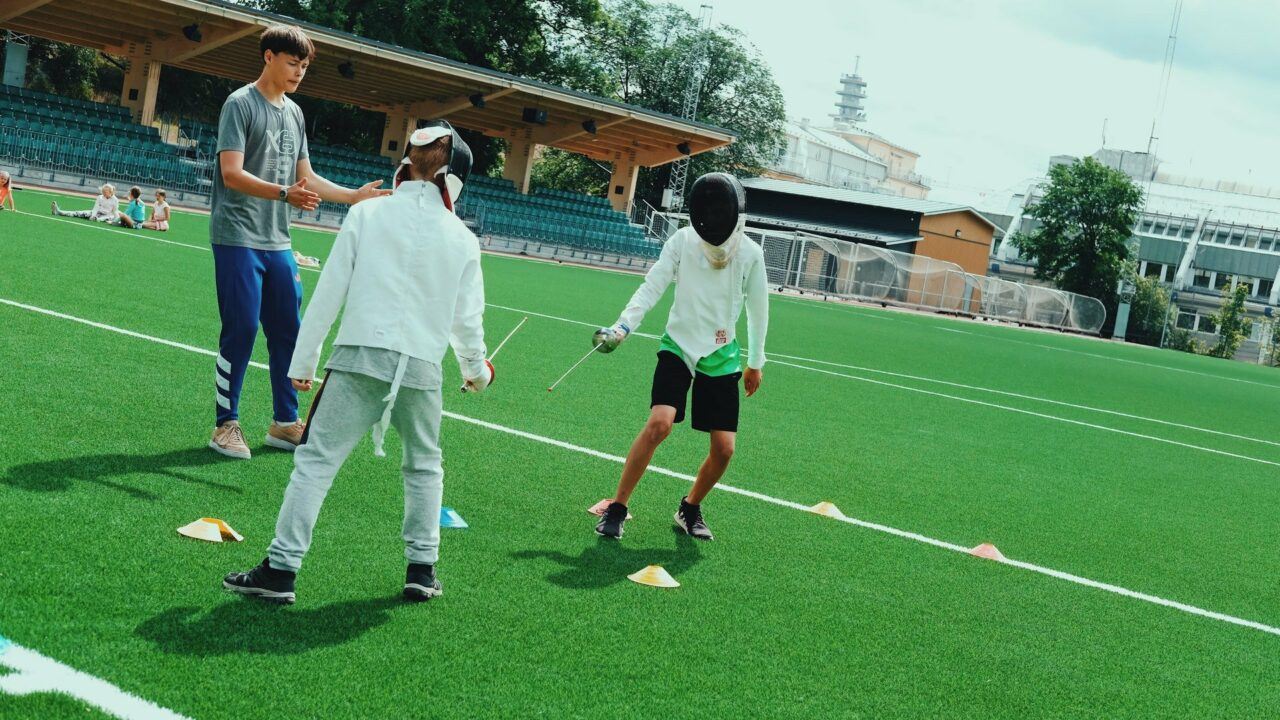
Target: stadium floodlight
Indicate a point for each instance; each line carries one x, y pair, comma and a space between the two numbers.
347, 70
192, 32
684, 148
589, 125
477, 100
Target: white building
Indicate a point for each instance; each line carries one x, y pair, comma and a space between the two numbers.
821, 157
1200, 238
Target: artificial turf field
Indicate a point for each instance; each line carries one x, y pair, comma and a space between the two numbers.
1155, 472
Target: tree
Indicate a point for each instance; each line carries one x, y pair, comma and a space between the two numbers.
1233, 324
639, 55
1148, 311
1085, 219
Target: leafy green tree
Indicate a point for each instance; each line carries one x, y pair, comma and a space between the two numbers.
640, 54
1233, 324
1085, 219
1148, 311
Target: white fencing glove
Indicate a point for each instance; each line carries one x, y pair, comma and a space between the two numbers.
608, 339
478, 384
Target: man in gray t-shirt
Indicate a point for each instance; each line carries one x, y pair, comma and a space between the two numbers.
263, 168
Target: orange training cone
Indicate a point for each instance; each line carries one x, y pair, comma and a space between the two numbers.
599, 508
988, 551
654, 576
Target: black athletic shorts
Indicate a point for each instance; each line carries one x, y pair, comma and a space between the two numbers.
715, 399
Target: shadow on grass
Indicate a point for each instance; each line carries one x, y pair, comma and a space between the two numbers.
245, 626
59, 475
609, 562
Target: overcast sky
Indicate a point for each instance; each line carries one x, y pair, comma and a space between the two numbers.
987, 90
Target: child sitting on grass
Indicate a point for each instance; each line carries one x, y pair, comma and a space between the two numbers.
405, 273
136, 211
159, 214
6, 191
106, 207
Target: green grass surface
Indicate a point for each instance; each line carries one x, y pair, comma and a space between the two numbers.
787, 614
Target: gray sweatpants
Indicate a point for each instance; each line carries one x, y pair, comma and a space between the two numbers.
350, 404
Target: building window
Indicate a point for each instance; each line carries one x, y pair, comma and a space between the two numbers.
1264, 288
1152, 270
1206, 324
1251, 239
1221, 281
1186, 321
1170, 271
1145, 226
1201, 279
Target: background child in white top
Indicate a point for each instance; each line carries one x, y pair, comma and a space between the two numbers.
159, 214
405, 272
106, 207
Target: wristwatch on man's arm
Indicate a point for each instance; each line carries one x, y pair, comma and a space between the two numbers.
283, 195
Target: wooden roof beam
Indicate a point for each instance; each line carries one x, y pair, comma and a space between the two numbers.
179, 49
21, 8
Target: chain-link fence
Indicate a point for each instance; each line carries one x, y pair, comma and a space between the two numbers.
811, 263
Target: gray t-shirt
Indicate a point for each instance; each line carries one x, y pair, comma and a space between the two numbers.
273, 140
381, 363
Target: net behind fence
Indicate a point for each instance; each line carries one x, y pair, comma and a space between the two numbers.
839, 268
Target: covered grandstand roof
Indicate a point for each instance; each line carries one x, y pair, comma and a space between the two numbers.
385, 78
858, 197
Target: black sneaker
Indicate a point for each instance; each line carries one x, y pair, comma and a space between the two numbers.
689, 519
610, 524
264, 582
420, 582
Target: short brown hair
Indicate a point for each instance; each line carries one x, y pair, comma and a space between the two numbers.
161, 193
287, 39
428, 159
135, 192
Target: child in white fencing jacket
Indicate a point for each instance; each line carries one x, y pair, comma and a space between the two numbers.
406, 273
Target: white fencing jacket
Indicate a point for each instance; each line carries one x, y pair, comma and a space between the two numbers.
105, 207
708, 302
406, 273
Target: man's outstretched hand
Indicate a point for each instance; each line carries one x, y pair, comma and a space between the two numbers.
300, 197
751, 380
368, 190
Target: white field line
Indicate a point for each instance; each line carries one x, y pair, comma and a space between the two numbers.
35, 673
1088, 408
1033, 413
904, 534
1034, 398
1116, 359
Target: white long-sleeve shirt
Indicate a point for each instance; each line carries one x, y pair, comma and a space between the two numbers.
407, 272
105, 207
708, 302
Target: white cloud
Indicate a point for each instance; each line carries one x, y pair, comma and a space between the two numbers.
987, 91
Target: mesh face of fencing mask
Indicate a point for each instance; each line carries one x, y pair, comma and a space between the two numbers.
718, 213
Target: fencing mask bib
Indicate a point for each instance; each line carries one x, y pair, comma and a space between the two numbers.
718, 212
455, 171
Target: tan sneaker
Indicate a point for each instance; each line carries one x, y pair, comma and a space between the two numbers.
229, 440
285, 438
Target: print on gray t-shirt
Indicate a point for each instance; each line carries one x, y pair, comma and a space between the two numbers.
273, 140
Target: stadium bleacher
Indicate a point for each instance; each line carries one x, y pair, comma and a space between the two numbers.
96, 140
57, 133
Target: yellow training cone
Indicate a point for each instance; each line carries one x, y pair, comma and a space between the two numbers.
210, 530
654, 576
827, 509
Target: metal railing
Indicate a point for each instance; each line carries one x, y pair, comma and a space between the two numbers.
33, 152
